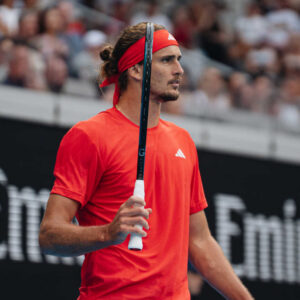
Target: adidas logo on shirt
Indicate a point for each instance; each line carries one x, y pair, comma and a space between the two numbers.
180, 154
171, 37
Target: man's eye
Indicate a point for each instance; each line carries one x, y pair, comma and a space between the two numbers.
166, 59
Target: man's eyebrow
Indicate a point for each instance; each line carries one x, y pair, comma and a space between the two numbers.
171, 56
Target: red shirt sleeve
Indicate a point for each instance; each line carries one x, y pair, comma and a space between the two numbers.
78, 168
198, 199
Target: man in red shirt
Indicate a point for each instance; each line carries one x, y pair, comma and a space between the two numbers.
95, 174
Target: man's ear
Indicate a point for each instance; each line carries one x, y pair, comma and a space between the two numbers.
136, 72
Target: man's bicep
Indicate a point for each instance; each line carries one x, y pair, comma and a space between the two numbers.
60, 209
199, 229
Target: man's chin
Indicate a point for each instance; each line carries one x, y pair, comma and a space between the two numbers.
169, 97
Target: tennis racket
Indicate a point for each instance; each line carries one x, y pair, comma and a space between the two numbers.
135, 242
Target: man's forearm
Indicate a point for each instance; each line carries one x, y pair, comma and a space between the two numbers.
58, 236
72, 240
210, 261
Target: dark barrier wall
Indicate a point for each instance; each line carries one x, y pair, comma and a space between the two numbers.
253, 213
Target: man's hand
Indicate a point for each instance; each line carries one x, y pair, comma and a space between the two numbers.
58, 236
131, 212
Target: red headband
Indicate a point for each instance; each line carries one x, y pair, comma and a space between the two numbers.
135, 54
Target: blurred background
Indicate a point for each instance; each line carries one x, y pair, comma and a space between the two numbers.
240, 101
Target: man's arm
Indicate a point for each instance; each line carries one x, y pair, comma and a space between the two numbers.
207, 256
58, 236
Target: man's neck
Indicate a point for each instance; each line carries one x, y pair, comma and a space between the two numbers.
130, 106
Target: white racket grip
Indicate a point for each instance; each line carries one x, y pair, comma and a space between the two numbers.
135, 242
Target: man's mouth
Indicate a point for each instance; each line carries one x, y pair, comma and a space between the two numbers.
175, 82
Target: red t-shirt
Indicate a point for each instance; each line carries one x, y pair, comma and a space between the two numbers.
96, 166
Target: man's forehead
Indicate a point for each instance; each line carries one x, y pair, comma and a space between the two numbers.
170, 50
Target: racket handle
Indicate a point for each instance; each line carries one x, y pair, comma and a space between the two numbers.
135, 242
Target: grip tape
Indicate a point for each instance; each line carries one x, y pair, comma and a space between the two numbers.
136, 242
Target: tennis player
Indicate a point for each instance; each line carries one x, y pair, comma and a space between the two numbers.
95, 173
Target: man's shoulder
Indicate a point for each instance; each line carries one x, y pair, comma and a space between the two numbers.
172, 127
95, 124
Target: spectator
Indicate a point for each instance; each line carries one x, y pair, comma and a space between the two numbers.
268, 5
237, 52
18, 66
264, 49
283, 22
291, 56
30, 5
236, 82
73, 25
152, 13
264, 95
262, 59
212, 39
247, 96
35, 79
284, 16
212, 89
289, 101
56, 73
71, 32
252, 28
28, 26
6, 46
184, 29
211, 95
49, 41
119, 11
9, 16
86, 63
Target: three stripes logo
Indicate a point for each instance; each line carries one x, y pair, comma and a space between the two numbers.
171, 37
179, 153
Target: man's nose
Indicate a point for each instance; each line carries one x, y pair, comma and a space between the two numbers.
179, 70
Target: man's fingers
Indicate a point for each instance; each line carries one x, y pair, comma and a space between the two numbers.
135, 211
128, 229
130, 214
133, 221
135, 201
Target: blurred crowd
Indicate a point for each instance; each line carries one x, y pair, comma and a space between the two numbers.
249, 62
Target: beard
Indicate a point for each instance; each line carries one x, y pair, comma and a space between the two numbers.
166, 97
